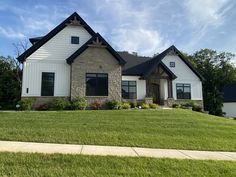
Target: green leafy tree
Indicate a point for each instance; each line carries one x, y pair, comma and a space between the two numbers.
218, 72
10, 82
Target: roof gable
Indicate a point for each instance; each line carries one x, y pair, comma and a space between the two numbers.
155, 61
99, 41
73, 19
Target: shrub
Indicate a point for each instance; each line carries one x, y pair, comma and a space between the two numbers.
60, 103
43, 107
145, 106
78, 104
153, 106
27, 103
197, 108
133, 104
125, 106
112, 104
96, 105
176, 105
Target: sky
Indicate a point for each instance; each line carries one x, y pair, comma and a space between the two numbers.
143, 26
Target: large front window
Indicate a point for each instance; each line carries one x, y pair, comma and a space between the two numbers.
183, 91
47, 85
96, 84
129, 90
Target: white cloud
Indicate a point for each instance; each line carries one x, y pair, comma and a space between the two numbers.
205, 15
10, 33
132, 26
205, 11
146, 42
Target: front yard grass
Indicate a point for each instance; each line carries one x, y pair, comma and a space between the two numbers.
29, 165
179, 129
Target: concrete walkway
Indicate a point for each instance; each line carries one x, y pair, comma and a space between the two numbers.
12, 146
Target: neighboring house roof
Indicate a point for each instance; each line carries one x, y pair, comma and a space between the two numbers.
52, 33
96, 39
145, 68
230, 93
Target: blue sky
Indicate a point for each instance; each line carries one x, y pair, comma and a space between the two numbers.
144, 26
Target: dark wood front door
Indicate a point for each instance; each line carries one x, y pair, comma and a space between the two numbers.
155, 90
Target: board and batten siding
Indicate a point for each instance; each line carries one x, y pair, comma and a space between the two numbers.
184, 75
140, 85
51, 57
229, 109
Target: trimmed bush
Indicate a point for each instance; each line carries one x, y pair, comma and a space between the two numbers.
27, 104
78, 104
145, 106
43, 107
197, 108
153, 106
112, 104
176, 105
96, 105
60, 103
125, 106
133, 105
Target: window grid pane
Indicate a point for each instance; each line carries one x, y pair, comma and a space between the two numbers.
129, 90
183, 91
96, 84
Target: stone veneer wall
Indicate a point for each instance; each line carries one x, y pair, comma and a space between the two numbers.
96, 60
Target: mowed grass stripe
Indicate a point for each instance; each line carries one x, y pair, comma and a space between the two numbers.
32, 165
179, 129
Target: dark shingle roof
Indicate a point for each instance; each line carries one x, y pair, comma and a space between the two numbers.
144, 69
35, 39
230, 93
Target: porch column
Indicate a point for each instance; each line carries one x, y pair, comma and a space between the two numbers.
170, 88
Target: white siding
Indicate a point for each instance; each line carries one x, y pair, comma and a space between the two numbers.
32, 76
140, 84
184, 75
51, 57
60, 47
229, 109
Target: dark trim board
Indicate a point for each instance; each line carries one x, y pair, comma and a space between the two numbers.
52, 33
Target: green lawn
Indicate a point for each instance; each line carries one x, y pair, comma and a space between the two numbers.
180, 129
32, 165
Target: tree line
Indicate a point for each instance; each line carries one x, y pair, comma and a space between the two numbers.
216, 67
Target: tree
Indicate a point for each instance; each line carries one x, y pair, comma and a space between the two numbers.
11, 77
10, 87
218, 72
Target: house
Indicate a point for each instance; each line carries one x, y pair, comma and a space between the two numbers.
72, 60
229, 105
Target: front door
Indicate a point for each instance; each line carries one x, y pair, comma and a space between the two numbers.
156, 93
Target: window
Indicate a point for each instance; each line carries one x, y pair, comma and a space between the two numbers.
47, 87
172, 64
74, 40
183, 91
129, 90
96, 84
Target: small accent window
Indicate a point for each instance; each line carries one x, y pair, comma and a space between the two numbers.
183, 91
129, 90
47, 86
74, 40
172, 64
96, 84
